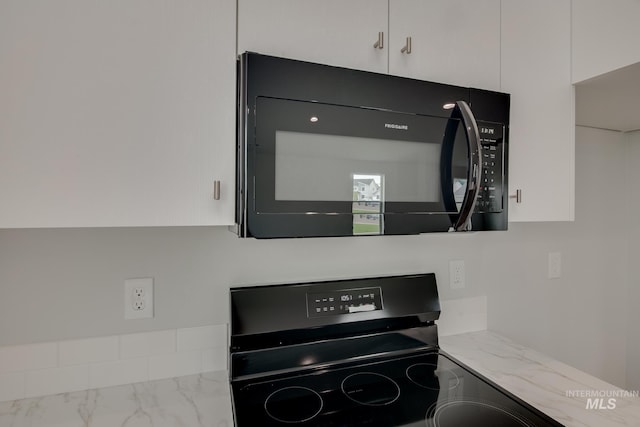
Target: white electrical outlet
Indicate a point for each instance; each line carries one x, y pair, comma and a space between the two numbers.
554, 265
138, 298
456, 274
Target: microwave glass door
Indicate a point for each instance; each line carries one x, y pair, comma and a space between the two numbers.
383, 170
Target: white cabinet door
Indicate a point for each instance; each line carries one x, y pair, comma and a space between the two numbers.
605, 36
536, 71
116, 113
452, 41
334, 32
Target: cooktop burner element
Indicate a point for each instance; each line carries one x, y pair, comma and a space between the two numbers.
371, 389
373, 368
293, 405
428, 375
468, 412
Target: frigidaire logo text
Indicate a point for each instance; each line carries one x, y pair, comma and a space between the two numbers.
395, 126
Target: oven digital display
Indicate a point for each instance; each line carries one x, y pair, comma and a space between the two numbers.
346, 301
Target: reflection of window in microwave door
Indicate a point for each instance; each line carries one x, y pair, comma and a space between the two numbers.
366, 209
367, 187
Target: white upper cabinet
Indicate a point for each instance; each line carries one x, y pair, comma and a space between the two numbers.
116, 113
122, 112
536, 71
605, 36
452, 41
334, 32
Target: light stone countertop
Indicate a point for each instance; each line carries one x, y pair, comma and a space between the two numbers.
190, 401
204, 400
543, 382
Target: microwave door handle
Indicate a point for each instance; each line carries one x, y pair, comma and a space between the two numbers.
446, 168
474, 173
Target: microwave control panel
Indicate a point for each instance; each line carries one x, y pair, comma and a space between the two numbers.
346, 301
490, 197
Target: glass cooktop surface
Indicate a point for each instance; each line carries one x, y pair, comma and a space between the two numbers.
426, 389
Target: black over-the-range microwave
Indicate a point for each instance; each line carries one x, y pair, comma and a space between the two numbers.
330, 151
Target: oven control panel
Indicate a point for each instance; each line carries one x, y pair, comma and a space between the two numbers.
345, 301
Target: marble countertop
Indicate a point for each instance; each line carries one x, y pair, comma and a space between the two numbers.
555, 388
190, 401
204, 400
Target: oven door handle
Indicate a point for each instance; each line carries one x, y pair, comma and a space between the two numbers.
474, 173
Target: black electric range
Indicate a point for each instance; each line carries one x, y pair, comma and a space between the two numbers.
360, 352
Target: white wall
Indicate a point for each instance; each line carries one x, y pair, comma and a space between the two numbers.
580, 318
633, 306
59, 284
68, 283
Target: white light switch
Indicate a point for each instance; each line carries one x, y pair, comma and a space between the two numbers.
456, 274
555, 265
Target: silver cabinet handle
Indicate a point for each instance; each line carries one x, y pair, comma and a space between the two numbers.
216, 190
380, 43
407, 47
517, 196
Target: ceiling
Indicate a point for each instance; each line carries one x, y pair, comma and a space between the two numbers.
610, 101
